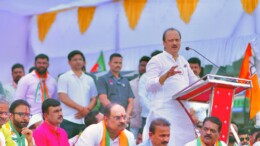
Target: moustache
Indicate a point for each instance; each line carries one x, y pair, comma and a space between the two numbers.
165, 142
231, 139
207, 136
122, 124
2, 119
24, 124
18, 77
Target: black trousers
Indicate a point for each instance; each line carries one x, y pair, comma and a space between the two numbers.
71, 128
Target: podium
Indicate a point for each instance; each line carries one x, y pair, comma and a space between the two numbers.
218, 92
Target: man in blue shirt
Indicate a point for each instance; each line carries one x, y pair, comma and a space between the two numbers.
115, 88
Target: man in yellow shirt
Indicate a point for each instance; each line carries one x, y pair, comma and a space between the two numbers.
4, 114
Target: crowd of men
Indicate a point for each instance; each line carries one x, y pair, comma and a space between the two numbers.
78, 109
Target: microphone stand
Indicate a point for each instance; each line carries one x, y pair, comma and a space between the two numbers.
188, 48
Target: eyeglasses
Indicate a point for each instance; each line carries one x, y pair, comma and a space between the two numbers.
244, 138
118, 118
4, 113
23, 115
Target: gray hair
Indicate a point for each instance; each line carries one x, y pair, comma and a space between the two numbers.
3, 100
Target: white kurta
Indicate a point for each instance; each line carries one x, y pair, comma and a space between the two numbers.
145, 100
28, 89
92, 136
162, 104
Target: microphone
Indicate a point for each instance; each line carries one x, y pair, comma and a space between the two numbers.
188, 48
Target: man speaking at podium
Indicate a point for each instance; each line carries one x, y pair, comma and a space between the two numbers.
168, 73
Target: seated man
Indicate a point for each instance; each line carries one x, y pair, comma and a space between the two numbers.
111, 131
17, 125
93, 117
5, 134
49, 133
35, 122
210, 133
159, 133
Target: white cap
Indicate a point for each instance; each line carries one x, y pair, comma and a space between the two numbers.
35, 118
256, 143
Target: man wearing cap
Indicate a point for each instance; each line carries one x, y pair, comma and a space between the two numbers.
35, 122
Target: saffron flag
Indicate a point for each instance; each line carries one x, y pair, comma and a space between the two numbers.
248, 71
100, 64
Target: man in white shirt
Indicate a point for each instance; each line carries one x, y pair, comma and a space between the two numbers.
136, 120
111, 131
10, 88
144, 95
210, 133
77, 92
167, 74
38, 85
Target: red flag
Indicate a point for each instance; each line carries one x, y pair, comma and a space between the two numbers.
248, 71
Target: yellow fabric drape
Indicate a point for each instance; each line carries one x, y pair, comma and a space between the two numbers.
85, 17
45, 22
249, 5
186, 9
133, 10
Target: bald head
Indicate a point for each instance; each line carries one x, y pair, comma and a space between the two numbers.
112, 107
115, 119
